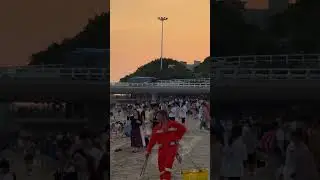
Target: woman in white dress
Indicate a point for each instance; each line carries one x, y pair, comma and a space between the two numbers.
148, 125
233, 155
299, 164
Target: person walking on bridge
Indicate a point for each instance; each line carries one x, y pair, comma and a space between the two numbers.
167, 134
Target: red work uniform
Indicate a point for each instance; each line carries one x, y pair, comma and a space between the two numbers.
168, 140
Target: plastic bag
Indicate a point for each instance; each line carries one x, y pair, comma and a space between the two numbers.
127, 130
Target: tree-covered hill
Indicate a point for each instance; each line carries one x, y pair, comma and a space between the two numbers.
96, 34
298, 27
203, 70
172, 69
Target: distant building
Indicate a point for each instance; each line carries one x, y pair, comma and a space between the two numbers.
171, 66
88, 57
192, 66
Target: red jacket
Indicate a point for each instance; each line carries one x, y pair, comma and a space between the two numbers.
174, 133
206, 110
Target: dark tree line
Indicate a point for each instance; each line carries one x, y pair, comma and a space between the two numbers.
172, 69
293, 31
96, 34
290, 32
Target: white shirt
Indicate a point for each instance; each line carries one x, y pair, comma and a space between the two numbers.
280, 135
232, 159
183, 111
173, 112
97, 155
163, 107
200, 115
249, 139
177, 111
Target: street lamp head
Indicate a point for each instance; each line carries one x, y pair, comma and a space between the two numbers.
162, 18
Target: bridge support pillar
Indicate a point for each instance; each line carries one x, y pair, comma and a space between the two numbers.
154, 97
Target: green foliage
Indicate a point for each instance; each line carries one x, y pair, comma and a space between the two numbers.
292, 31
231, 35
203, 70
172, 69
96, 34
298, 25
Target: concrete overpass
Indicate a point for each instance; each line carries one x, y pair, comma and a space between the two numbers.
161, 88
85, 89
266, 77
47, 82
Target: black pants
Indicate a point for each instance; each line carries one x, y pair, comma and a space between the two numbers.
234, 178
203, 124
154, 123
183, 120
146, 139
172, 118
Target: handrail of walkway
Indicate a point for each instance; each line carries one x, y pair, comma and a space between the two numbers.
162, 84
185, 80
285, 58
267, 74
55, 72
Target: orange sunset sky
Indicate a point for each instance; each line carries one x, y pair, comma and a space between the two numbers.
30, 26
135, 32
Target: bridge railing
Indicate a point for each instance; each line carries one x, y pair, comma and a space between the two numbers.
185, 80
266, 74
163, 84
291, 59
55, 72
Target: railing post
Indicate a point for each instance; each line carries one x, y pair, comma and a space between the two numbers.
234, 74
270, 74
289, 74
88, 74
72, 73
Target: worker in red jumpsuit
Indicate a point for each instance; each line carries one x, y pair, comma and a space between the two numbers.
167, 135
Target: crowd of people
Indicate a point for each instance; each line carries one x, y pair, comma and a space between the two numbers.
72, 156
37, 110
249, 140
138, 119
162, 122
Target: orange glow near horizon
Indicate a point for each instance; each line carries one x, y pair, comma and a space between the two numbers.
136, 32
261, 4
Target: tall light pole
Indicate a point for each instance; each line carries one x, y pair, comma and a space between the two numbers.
162, 19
